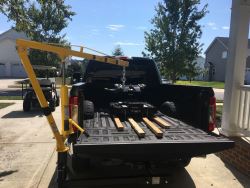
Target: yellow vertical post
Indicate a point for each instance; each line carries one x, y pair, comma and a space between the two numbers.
66, 126
41, 98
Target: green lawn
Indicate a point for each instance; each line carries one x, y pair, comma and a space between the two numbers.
219, 109
219, 85
10, 97
3, 105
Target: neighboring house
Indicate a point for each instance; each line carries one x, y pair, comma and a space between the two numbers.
216, 59
200, 65
200, 61
10, 64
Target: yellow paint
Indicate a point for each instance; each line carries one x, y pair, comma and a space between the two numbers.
71, 121
41, 98
62, 52
65, 110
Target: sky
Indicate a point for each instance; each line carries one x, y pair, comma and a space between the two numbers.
103, 24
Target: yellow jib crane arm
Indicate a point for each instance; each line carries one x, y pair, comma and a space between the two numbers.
65, 52
22, 49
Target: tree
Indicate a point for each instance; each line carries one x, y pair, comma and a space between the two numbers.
118, 51
41, 20
192, 70
173, 42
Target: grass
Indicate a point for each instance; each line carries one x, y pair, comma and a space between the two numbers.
219, 109
219, 101
218, 85
3, 105
10, 97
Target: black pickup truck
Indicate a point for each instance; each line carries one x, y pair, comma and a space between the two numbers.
140, 129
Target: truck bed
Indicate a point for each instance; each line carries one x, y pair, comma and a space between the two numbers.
178, 141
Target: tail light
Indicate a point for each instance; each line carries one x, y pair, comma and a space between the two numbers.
73, 110
212, 114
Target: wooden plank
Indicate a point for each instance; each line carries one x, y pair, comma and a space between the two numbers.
118, 124
162, 122
139, 131
158, 133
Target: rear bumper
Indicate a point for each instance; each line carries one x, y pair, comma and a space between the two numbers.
152, 151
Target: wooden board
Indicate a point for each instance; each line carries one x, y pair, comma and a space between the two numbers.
118, 124
158, 133
162, 122
139, 131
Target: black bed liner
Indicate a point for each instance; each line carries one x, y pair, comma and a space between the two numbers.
180, 140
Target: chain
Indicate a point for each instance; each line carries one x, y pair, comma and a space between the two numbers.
123, 77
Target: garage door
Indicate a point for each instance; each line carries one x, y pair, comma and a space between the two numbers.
17, 71
2, 69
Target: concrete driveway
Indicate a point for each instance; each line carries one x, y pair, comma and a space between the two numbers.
5, 91
28, 157
26, 146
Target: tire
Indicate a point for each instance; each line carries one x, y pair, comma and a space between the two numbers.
57, 101
26, 104
168, 108
52, 106
88, 109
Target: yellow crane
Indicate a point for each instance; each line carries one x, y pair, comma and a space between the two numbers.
63, 53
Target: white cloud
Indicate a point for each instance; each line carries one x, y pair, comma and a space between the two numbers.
214, 28
114, 27
211, 24
111, 35
141, 28
225, 27
127, 44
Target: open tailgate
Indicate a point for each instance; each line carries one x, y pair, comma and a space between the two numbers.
178, 141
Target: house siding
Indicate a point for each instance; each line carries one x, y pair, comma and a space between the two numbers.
9, 60
214, 55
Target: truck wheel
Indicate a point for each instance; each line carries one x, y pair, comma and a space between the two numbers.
88, 109
26, 104
168, 108
57, 101
52, 106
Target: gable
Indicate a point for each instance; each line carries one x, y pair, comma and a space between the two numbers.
215, 42
13, 35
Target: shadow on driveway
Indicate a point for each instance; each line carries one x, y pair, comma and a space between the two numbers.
6, 173
22, 114
179, 178
10, 92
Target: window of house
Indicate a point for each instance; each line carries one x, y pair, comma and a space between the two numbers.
224, 54
213, 71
